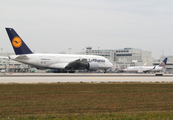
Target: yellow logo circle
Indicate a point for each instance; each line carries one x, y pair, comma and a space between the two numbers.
17, 42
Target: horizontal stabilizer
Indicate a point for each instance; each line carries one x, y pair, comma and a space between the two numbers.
4, 57
22, 57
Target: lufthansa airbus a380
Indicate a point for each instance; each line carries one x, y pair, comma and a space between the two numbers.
60, 62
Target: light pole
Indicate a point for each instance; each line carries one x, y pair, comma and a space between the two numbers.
4, 62
83, 50
1, 51
69, 50
98, 50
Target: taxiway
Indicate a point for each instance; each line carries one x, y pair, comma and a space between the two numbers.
88, 78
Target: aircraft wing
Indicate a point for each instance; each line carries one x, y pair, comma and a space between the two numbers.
144, 70
147, 70
74, 65
77, 64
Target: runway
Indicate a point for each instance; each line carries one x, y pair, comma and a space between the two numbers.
77, 78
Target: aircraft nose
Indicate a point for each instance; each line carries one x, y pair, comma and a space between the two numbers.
111, 65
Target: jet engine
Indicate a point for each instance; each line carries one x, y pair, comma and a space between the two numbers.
92, 66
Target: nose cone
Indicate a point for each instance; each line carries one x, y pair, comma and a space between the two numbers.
110, 64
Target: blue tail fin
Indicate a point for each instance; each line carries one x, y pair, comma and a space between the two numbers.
18, 44
163, 63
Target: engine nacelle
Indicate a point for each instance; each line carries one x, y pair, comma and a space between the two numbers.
93, 66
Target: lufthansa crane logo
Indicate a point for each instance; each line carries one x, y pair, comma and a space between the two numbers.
17, 42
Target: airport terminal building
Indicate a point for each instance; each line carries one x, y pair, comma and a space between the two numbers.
126, 57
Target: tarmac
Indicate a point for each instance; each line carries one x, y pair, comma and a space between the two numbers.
81, 77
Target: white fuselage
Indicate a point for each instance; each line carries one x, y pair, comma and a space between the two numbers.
144, 69
59, 61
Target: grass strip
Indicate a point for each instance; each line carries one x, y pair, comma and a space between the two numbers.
86, 101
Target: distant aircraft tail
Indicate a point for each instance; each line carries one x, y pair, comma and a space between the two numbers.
18, 44
163, 63
144, 64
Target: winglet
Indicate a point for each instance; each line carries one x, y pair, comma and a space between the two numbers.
18, 44
163, 63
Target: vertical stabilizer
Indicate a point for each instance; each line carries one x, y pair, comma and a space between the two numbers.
18, 44
163, 63
144, 64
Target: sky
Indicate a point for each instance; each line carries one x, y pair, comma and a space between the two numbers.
55, 25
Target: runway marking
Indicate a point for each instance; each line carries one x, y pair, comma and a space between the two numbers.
110, 78
125, 79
